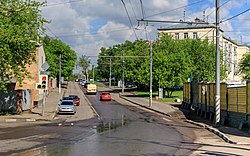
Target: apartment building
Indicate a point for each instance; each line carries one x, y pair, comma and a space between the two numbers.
232, 51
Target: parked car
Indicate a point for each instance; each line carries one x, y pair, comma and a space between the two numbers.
67, 106
105, 96
129, 85
76, 99
68, 98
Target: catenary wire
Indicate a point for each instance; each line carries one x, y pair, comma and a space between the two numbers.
176, 8
129, 19
235, 15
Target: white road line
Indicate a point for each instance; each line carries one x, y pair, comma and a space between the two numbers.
166, 119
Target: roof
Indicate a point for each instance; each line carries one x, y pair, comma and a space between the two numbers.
190, 25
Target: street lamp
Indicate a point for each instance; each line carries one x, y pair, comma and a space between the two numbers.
122, 72
110, 72
151, 69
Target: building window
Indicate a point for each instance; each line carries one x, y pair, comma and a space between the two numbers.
235, 51
195, 35
185, 35
176, 36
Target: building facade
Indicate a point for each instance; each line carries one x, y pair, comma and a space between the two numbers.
232, 51
28, 86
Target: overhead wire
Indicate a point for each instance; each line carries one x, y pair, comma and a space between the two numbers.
219, 7
129, 19
143, 17
51, 31
235, 16
55, 4
132, 9
176, 8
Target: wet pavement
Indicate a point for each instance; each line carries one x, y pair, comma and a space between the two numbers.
239, 140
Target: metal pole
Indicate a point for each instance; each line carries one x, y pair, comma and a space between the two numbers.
217, 96
93, 72
122, 72
151, 69
60, 57
110, 72
43, 104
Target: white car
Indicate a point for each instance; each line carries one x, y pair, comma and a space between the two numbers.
67, 106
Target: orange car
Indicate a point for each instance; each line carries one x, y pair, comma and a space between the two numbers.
105, 96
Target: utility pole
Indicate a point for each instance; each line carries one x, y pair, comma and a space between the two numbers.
122, 72
110, 72
60, 75
93, 73
217, 96
151, 70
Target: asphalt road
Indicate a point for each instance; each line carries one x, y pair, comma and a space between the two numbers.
121, 130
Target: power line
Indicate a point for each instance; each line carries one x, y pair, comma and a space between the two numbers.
132, 9
129, 19
142, 10
92, 34
62, 3
176, 8
219, 7
235, 15
51, 31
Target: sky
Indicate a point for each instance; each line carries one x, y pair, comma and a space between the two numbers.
88, 25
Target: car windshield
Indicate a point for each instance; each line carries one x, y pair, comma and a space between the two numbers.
73, 96
67, 103
68, 98
105, 93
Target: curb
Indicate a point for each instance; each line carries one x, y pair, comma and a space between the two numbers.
19, 120
217, 132
90, 105
145, 106
209, 128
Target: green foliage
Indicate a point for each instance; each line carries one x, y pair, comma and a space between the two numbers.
173, 62
21, 23
53, 49
84, 62
245, 65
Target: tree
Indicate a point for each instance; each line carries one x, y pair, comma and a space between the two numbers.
171, 64
245, 66
53, 49
21, 24
84, 62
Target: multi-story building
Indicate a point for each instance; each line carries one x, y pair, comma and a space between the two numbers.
232, 51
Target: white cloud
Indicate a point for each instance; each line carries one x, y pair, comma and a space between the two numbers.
87, 25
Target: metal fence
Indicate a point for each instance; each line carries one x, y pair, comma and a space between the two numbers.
234, 101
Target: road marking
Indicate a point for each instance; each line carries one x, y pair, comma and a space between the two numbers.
10, 120
30, 120
166, 119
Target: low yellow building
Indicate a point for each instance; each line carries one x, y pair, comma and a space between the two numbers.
32, 96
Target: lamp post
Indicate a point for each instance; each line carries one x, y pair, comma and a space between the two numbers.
110, 72
151, 70
122, 72
60, 57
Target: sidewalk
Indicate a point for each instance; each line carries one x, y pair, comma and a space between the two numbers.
228, 134
35, 114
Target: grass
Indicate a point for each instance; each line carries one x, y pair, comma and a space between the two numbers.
98, 84
175, 94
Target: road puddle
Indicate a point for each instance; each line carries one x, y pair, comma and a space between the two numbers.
109, 126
